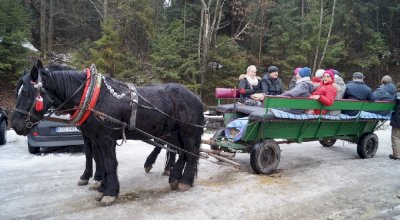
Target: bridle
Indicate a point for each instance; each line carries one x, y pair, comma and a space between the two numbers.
38, 86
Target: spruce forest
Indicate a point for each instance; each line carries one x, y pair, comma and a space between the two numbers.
202, 44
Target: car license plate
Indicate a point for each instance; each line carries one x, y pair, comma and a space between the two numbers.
66, 129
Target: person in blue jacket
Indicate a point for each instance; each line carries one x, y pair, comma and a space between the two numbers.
385, 92
357, 90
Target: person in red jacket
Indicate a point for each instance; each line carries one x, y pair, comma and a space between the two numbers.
326, 92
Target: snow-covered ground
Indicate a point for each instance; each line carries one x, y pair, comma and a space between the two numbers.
312, 182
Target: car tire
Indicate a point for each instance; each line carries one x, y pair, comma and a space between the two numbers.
3, 131
33, 150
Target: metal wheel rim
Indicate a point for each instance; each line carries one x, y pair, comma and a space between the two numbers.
370, 146
267, 157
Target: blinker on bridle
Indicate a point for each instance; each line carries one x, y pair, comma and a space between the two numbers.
37, 103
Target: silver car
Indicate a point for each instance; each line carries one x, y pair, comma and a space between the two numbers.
53, 134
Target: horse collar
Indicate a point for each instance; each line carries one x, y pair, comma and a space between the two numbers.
89, 97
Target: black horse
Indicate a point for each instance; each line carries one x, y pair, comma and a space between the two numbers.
162, 111
148, 165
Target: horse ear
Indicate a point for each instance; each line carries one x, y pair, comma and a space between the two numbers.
39, 64
34, 73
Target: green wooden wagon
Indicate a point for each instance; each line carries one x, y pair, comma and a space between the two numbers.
264, 132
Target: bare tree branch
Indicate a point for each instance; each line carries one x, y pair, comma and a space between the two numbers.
329, 34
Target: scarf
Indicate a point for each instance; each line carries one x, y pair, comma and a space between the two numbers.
252, 81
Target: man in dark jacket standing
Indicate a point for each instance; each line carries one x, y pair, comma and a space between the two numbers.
357, 90
395, 123
271, 84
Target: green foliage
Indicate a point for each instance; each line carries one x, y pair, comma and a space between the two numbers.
174, 57
14, 32
107, 54
227, 62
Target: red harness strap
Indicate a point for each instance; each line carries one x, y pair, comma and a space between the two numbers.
88, 78
92, 103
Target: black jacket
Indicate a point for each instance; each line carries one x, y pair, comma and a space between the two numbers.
395, 119
271, 86
246, 90
359, 91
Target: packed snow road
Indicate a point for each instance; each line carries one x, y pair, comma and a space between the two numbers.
312, 182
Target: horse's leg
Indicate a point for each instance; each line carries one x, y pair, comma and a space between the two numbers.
84, 179
110, 184
169, 163
99, 168
177, 168
192, 144
151, 159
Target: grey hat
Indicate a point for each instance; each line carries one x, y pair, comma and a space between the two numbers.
273, 69
358, 75
387, 79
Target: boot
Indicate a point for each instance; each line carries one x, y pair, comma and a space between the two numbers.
391, 156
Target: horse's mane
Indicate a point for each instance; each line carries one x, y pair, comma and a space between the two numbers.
59, 67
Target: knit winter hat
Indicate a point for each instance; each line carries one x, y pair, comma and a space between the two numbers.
319, 73
272, 69
296, 71
330, 72
305, 72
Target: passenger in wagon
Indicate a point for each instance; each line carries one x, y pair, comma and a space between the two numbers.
340, 87
292, 82
317, 78
250, 87
326, 92
271, 84
385, 92
304, 87
357, 90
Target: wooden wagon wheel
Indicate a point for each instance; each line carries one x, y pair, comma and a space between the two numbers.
265, 156
367, 145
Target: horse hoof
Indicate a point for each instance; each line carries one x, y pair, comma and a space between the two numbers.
95, 185
174, 185
82, 182
108, 200
183, 187
166, 173
147, 169
99, 196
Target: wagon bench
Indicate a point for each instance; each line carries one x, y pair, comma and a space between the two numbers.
267, 124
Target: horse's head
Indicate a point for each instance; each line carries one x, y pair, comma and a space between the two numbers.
32, 99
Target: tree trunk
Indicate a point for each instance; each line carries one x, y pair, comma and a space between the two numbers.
105, 9
319, 36
51, 27
43, 28
329, 34
184, 22
302, 18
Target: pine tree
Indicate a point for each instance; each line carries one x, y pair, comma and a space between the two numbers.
15, 27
